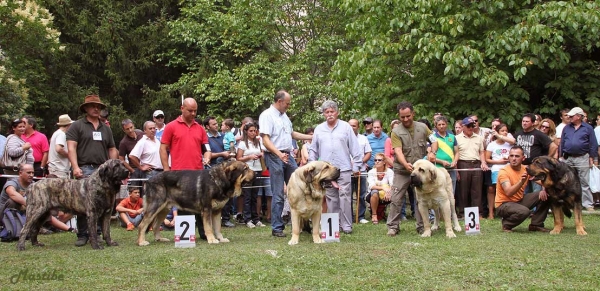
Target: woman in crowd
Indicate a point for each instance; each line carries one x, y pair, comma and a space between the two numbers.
250, 152
548, 127
457, 127
538, 121
16, 147
496, 155
380, 179
443, 144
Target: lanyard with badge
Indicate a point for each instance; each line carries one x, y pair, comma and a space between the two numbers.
97, 135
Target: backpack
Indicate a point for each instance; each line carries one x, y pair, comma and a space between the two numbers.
12, 224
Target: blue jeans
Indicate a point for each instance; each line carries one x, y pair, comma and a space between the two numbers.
280, 174
363, 192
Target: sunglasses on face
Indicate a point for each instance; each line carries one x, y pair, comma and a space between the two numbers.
470, 125
543, 126
378, 160
475, 120
159, 117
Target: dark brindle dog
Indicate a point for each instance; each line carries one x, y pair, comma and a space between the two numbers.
200, 191
93, 196
562, 184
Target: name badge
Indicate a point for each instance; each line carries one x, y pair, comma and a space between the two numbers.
97, 135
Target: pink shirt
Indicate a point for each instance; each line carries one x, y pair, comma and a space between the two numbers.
39, 145
185, 144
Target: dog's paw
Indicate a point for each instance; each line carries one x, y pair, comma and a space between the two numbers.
97, 247
223, 240
163, 239
213, 241
20, 248
450, 234
293, 242
144, 243
112, 243
317, 240
457, 228
38, 244
556, 231
426, 233
434, 227
581, 232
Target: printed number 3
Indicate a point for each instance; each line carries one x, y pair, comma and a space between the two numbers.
472, 223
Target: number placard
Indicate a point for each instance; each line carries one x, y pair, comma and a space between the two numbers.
330, 227
185, 231
472, 220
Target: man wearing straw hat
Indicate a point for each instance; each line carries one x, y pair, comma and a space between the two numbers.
58, 158
90, 143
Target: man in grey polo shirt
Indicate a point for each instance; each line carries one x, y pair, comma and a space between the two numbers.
334, 141
277, 134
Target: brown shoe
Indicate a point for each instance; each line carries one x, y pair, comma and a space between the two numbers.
506, 229
392, 232
590, 209
538, 228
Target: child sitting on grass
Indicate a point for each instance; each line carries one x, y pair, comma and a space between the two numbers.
130, 209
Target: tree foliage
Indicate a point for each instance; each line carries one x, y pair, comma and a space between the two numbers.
492, 58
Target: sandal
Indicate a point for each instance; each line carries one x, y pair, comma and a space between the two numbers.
374, 219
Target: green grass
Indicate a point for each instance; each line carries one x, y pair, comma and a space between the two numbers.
364, 260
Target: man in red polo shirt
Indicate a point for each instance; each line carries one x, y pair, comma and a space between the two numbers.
185, 138
39, 144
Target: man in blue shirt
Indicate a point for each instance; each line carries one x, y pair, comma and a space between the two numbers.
579, 147
377, 141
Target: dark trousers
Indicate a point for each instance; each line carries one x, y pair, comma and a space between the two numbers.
250, 198
470, 185
37, 169
514, 213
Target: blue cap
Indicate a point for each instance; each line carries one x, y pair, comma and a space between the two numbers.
467, 121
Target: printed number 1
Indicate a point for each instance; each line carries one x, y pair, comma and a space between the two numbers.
330, 230
472, 216
187, 226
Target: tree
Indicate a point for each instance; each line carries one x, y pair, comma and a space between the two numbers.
492, 58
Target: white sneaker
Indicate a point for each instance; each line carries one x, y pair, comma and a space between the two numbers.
260, 224
250, 224
363, 221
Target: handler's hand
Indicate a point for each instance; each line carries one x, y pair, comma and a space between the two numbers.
409, 167
78, 173
543, 195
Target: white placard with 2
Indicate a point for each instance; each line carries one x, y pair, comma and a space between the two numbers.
185, 231
472, 225
330, 227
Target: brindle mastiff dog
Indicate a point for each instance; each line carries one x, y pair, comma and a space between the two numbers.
305, 191
93, 196
205, 191
562, 184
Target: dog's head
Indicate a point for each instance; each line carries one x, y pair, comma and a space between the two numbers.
320, 174
113, 172
424, 172
541, 169
239, 174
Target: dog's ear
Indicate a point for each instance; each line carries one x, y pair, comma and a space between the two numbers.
309, 173
433, 174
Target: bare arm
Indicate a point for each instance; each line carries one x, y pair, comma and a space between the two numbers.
44, 160
72, 146
301, 136
511, 190
126, 164
14, 195
552, 150
60, 149
164, 157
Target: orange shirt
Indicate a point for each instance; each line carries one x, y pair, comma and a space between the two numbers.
513, 177
130, 205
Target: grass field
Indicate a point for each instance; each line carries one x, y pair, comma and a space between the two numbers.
364, 260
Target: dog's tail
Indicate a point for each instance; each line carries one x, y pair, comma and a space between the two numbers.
566, 210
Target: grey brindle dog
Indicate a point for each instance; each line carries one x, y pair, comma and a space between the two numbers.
93, 196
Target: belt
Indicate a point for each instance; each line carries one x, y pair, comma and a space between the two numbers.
158, 170
470, 162
575, 156
90, 165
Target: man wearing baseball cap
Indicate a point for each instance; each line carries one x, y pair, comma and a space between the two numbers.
579, 147
159, 119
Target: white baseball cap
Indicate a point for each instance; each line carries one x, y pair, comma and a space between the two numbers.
576, 110
157, 113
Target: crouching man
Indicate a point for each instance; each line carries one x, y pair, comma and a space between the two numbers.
131, 209
511, 204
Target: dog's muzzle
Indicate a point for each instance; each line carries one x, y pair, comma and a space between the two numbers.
415, 181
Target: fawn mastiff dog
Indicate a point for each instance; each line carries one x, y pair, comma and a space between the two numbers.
433, 189
305, 192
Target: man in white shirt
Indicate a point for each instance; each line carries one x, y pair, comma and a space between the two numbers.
365, 147
145, 155
564, 116
58, 157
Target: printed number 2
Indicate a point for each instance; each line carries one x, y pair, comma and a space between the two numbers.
187, 226
330, 230
472, 223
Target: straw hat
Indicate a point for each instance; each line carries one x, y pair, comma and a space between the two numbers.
64, 120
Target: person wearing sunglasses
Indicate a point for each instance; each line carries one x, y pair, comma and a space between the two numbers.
548, 127
380, 179
159, 120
